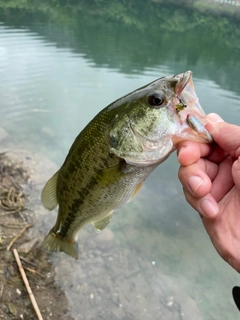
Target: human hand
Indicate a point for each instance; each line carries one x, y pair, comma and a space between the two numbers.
210, 175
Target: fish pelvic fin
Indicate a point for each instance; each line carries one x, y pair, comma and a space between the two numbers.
101, 223
49, 193
53, 242
136, 190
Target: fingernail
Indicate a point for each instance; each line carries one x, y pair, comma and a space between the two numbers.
180, 150
214, 117
194, 182
209, 209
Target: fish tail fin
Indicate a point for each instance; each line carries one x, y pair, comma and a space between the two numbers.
53, 242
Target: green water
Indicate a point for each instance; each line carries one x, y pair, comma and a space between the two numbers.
63, 61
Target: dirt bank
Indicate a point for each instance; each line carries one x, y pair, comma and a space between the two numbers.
17, 217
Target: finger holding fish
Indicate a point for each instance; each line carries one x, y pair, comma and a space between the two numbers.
189, 152
198, 176
206, 206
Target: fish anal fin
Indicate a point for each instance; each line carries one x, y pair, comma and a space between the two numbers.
136, 190
101, 223
49, 193
53, 242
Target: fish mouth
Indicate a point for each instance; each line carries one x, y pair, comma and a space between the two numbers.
183, 79
189, 112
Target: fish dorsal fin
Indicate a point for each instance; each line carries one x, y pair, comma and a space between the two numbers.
101, 223
49, 193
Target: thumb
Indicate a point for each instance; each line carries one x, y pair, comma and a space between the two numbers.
226, 135
236, 173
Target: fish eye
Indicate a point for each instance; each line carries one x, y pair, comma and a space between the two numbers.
155, 100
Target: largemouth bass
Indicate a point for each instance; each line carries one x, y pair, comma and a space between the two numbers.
113, 155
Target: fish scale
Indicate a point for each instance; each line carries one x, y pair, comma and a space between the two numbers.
114, 154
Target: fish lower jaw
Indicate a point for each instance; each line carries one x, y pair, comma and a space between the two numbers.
191, 135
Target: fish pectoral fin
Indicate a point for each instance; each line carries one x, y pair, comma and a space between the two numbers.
49, 193
108, 176
100, 224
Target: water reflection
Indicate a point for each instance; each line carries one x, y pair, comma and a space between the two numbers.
132, 38
59, 66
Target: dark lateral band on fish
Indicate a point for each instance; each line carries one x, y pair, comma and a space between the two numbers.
114, 154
